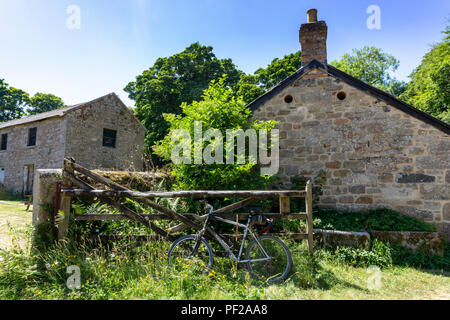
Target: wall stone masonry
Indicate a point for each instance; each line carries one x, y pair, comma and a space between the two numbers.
48, 153
430, 242
84, 136
335, 238
373, 154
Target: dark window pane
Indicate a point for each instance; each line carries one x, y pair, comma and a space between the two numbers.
109, 138
32, 133
4, 145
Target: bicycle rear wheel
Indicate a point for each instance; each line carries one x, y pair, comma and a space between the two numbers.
181, 255
275, 270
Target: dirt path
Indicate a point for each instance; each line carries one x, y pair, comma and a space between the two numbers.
14, 213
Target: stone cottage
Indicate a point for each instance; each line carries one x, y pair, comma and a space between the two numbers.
372, 149
100, 134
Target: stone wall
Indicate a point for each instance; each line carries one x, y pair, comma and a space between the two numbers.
373, 155
84, 137
47, 153
44, 191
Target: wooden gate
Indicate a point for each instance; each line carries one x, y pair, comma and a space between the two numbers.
74, 186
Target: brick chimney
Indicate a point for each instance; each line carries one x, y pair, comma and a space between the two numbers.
313, 39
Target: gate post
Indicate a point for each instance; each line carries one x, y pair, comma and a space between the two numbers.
309, 212
66, 201
44, 196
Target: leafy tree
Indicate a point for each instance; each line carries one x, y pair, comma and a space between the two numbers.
429, 88
12, 102
279, 69
248, 88
174, 80
374, 67
252, 86
42, 102
395, 87
219, 109
16, 103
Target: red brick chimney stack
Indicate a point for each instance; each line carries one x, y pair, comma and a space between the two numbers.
313, 39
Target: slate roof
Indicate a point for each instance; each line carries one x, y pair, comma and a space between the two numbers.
37, 117
58, 113
388, 98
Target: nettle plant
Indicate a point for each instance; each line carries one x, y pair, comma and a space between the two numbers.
221, 111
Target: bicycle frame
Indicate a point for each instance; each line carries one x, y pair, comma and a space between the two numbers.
224, 245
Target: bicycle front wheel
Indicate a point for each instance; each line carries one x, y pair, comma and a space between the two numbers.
274, 270
181, 254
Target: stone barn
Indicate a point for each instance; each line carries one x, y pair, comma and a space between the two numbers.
373, 149
100, 134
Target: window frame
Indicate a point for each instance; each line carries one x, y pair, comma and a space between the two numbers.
109, 134
30, 130
4, 141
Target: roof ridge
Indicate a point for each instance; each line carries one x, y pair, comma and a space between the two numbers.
390, 99
50, 114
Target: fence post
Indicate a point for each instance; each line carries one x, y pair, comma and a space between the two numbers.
66, 201
285, 204
309, 212
56, 208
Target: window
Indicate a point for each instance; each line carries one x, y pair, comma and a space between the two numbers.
32, 134
109, 138
4, 143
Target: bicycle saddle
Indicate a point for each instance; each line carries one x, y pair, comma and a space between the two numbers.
261, 223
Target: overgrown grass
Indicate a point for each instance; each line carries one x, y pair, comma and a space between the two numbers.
122, 270
12, 214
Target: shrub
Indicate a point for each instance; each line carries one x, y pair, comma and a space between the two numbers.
374, 219
380, 254
385, 254
218, 110
406, 257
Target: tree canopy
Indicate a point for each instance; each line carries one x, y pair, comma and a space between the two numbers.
16, 103
12, 102
429, 88
173, 80
42, 102
252, 86
373, 66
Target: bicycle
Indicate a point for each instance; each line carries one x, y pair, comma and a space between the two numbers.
267, 258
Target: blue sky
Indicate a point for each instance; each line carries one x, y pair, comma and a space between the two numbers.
118, 39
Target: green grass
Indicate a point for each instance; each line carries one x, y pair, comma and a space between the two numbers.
123, 271
12, 215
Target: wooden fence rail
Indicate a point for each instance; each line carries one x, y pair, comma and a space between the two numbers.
73, 186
